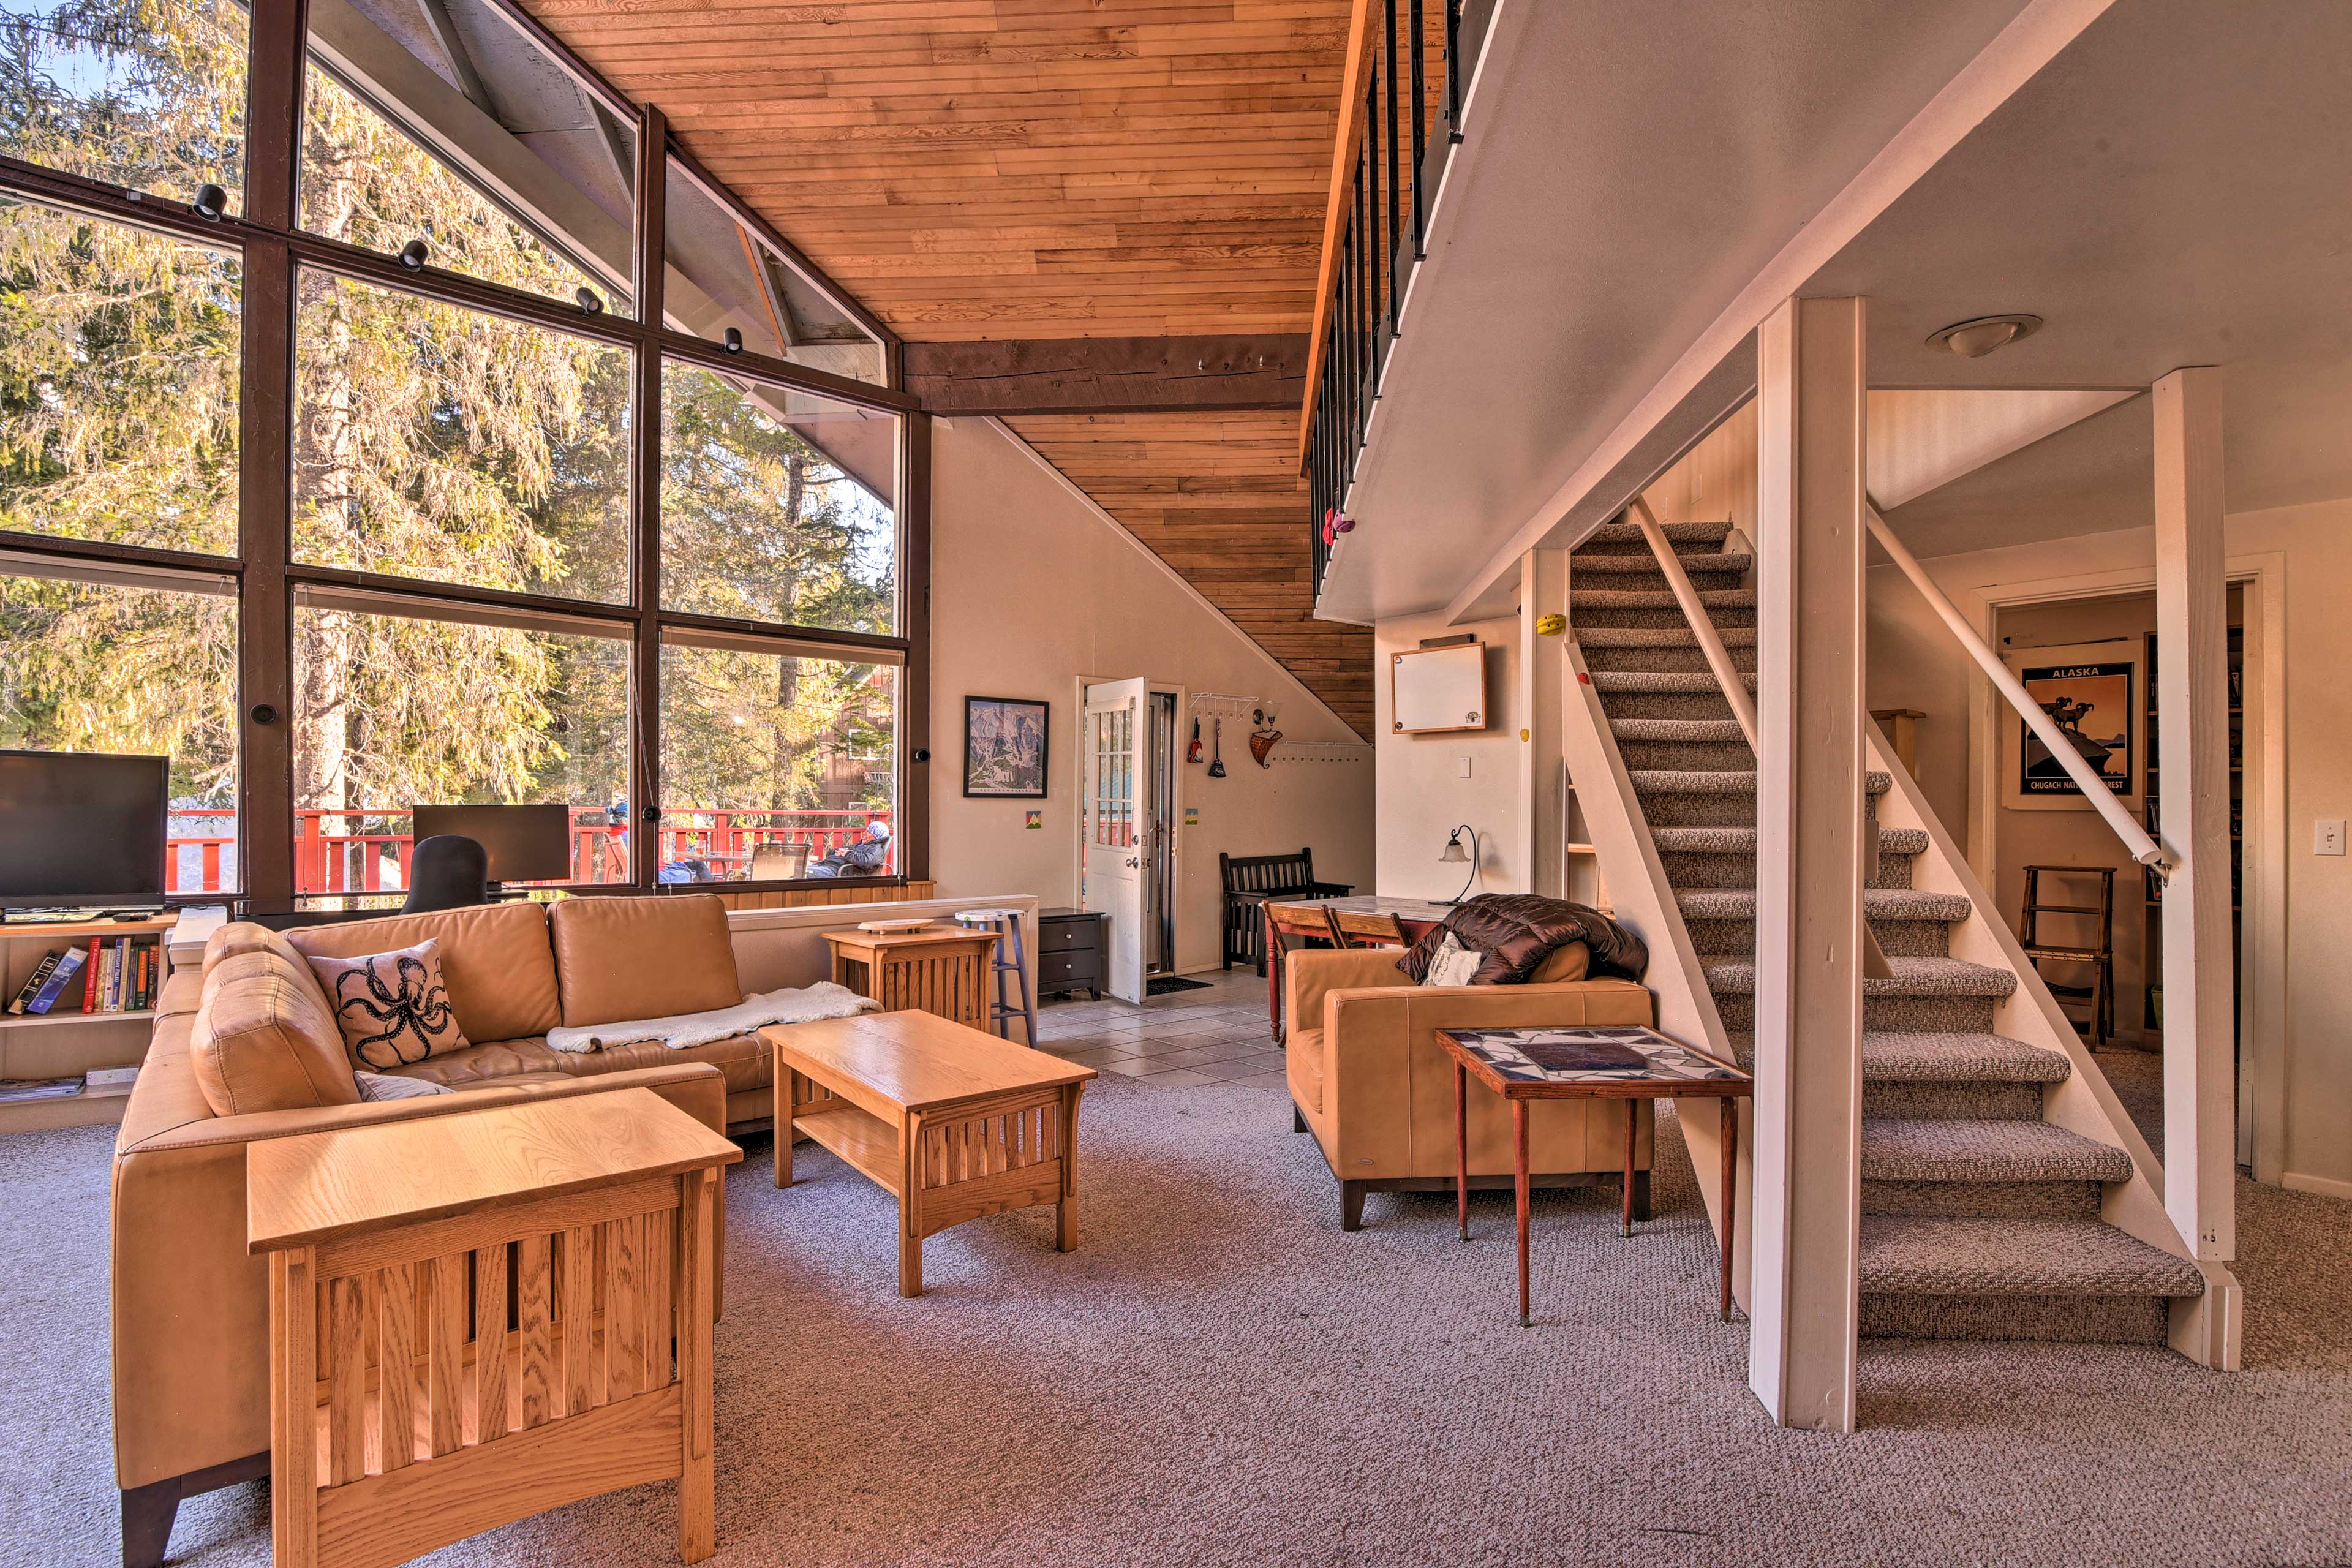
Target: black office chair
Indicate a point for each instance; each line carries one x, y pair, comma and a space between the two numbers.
447, 872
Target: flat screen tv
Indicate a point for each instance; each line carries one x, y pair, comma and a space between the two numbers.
81, 830
524, 843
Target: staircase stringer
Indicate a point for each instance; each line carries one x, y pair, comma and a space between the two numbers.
1642, 900
2203, 1328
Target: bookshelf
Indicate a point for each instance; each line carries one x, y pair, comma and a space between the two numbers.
64, 1044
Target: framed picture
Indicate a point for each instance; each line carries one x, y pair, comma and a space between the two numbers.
2092, 693
1004, 750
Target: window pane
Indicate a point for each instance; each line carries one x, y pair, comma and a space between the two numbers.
510, 716
776, 505
722, 274
440, 443
100, 666
444, 121
787, 753
145, 93
118, 383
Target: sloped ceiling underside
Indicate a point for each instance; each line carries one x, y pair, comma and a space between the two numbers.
1000, 169
1216, 497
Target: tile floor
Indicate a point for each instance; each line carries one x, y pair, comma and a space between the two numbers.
1216, 1036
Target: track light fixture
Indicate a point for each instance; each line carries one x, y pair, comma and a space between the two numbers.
590, 304
211, 202
412, 254
733, 341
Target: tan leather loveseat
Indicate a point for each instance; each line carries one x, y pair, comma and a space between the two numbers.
1368, 1079
245, 1049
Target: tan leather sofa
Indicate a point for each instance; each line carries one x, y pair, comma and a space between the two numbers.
245, 1049
1369, 1080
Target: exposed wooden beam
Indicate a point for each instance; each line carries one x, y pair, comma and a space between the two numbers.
1109, 375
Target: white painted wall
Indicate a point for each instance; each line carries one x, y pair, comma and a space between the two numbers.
1422, 795
1032, 588
1914, 663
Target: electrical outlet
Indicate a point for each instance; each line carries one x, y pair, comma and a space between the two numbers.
2327, 835
1466, 773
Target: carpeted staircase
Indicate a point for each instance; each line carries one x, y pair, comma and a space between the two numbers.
1979, 1220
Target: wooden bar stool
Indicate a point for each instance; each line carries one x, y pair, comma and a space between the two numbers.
1001, 1012
2099, 996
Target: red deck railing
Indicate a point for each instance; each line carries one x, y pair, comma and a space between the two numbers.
343, 859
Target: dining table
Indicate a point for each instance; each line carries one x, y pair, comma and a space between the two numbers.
1362, 914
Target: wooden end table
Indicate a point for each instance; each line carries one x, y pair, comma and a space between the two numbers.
953, 1122
1648, 1066
939, 968
598, 1214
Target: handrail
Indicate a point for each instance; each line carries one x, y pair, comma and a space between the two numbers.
1727, 675
1338, 204
2144, 849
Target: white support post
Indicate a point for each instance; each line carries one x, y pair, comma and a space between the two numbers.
1804, 1299
2193, 764
1543, 770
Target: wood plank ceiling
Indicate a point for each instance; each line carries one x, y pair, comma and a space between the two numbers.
1046, 169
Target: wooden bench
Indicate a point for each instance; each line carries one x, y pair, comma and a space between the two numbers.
1249, 880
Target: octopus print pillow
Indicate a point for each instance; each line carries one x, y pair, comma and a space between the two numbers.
392, 1006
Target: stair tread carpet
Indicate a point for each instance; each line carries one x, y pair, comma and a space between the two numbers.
1690, 731
1624, 535
1940, 1254
1971, 1151
1889, 1056
1644, 564
1660, 637
1960, 1059
1660, 599
1721, 781
1909, 977
1742, 840
1651, 681
1877, 904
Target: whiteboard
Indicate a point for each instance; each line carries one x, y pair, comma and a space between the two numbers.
1437, 689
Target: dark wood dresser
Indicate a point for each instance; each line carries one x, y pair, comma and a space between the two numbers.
1070, 951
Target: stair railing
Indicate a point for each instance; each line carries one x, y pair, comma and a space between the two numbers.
1710, 641
1398, 123
1727, 675
2143, 848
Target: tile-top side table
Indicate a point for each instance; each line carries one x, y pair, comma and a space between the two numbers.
392, 1431
1592, 1062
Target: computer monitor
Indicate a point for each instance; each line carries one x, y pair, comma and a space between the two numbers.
524, 843
81, 829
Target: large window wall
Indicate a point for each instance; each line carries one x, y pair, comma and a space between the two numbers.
396, 416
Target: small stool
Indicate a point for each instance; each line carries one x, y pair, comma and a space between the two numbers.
1001, 1012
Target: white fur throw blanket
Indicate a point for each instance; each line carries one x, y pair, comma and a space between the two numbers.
790, 1006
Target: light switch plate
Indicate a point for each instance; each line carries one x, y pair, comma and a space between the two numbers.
2327, 835
1465, 768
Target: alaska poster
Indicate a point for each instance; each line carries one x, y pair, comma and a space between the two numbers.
2090, 704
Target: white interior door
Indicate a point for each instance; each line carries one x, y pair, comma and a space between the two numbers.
1115, 813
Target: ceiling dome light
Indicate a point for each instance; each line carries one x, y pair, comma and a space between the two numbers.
1975, 339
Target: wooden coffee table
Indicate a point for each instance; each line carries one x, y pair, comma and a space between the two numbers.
952, 1122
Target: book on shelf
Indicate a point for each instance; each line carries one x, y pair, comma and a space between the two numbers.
32, 983
14, 1091
95, 970
69, 965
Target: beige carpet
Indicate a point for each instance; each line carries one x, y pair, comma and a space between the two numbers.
1221, 1377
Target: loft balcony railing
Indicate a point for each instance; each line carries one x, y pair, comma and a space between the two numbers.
363, 849
1400, 115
